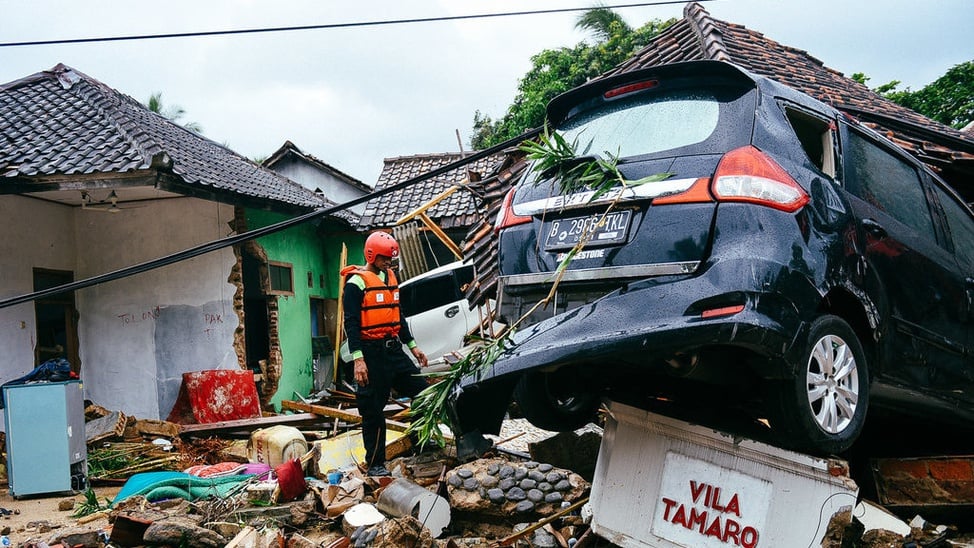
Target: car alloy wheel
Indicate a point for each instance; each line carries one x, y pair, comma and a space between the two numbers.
822, 408
833, 383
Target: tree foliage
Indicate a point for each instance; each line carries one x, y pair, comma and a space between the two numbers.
555, 71
948, 99
171, 112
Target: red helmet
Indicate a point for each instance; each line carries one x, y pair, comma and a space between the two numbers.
380, 243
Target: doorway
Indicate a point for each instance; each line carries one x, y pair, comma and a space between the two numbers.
56, 320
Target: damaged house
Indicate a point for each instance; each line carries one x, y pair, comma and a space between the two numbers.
91, 183
316, 175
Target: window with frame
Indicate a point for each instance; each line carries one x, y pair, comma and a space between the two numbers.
880, 177
281, 276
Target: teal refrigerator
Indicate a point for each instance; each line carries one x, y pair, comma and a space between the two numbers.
46, 445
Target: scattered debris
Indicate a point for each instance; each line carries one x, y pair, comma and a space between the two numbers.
278, 480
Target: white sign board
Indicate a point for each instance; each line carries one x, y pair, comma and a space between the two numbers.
707, 506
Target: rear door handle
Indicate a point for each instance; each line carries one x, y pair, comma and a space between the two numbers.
874, 228
452, 311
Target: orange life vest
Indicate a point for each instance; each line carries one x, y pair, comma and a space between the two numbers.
380, 306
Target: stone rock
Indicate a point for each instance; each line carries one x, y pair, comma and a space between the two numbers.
471, 484
78, 536
563, 485
520, 473
454, 480
493, 468
553, 497
554, 477
399, 532
489, 481
544, 468
296, 540
181, 531
225, 529
527, 483
535, 495
545, 486
524, 506
543, 539
536, 476
464, 473
486, 501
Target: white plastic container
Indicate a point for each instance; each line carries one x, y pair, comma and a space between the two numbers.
276, 445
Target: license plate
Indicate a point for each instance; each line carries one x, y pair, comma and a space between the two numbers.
565, 233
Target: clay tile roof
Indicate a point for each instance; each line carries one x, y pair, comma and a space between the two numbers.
457, 210
63, 122
700, 36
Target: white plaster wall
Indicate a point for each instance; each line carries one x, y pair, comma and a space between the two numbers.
136, 335
140, 333
37, 234
311, 178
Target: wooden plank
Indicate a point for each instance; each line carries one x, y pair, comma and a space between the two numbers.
349, 415
340, 319
249, 424
109, 426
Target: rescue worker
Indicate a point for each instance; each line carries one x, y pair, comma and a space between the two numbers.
376, 331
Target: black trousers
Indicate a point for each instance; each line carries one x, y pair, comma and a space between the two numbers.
389, 368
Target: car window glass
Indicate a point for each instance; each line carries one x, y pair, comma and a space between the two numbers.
886, 181
634, 126
429, 293
961, 227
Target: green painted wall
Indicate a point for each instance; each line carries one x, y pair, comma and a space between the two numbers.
309, 247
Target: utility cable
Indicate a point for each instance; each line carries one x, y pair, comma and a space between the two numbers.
327, 26
263, 231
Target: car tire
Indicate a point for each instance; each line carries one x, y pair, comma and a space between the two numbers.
823, 409
560, 401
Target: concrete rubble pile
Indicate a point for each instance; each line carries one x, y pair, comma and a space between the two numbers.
297, 487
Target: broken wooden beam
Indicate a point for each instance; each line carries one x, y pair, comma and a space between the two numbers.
249, 424
347, 415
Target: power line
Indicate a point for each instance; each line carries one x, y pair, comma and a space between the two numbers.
327, 26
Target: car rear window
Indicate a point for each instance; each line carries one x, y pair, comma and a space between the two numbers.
635, 126
683, 121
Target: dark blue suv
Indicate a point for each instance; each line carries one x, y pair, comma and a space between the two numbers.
795, 264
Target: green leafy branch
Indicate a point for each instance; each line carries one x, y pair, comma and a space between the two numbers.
90, 505
554, 158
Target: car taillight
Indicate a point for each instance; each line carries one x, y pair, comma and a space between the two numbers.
698, 192
506, 216
630, 88
748, 175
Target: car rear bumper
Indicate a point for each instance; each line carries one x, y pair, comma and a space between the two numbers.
647, 326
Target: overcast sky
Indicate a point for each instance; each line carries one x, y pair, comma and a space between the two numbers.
354, 96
